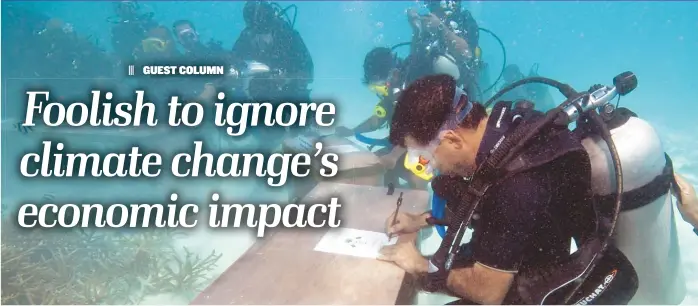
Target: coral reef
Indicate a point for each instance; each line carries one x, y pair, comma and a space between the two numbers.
96, 266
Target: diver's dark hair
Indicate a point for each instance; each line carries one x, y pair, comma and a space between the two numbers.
258, 13
182, 22
424, 106
378, 63
436, 4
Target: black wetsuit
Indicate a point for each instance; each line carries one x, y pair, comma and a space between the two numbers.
281, 48
464, 26
526, 221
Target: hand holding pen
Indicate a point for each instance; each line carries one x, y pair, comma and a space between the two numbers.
400, 223
397, 209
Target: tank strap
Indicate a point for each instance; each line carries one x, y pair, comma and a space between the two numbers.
646, 194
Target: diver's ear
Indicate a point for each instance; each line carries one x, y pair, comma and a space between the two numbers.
452, 139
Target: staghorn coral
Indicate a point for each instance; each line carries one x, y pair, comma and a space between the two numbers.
187, 274
89, 266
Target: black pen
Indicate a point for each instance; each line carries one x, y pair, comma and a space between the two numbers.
397, 209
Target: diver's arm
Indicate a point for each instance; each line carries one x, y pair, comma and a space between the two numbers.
480, 284
688, 201
457, 46
369, 125
305, 68
500, 243
414, 22
414, 45
242, 46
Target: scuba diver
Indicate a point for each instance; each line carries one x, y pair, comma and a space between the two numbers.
188, 38
270, 39
198, 53
158, 47
526, 184
537, 93
129, 29
70, 55
39, 46
385, 74
448, 38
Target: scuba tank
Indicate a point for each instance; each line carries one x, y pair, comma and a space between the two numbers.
251, 70
444, 63
646, 229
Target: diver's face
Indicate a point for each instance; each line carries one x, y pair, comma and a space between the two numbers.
187, 36
449, 154
126, 9
379, 81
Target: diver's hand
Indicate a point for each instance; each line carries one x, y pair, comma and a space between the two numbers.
406, 256
689, 201
405, 223
432, 23
414, 21
208, 93
343, 131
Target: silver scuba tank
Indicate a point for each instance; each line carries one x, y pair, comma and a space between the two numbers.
445, 64
646, 234
252, 69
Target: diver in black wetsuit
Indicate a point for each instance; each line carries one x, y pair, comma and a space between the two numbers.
448, 38
522, 221
198, 53
270, 39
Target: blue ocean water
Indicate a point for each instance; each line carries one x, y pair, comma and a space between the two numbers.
578, 42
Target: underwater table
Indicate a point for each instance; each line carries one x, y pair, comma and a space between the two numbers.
303, 266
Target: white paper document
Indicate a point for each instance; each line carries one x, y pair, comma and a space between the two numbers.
353, 242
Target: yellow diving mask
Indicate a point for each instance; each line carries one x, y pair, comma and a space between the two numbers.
420, 164
421, 161
153, 45
379, 89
